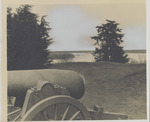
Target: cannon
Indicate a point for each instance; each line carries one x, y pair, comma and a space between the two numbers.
20, 81
50, 94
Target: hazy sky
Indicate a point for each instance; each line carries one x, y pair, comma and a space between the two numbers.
73, 25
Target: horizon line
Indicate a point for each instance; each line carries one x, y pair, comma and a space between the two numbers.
90, 51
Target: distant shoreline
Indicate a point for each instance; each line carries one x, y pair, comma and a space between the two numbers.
91, 51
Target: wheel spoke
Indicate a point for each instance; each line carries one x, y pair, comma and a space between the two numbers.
55, 112
45, 115
74, 116
14, 112
65, 113
17, 117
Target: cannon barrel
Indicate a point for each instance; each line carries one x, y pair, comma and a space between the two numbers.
21, 80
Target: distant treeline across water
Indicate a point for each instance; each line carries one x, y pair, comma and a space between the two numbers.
135, 56
91, 51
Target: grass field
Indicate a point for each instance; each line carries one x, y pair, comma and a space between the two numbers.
119, 88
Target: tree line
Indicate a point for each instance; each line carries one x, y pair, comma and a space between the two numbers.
28, 40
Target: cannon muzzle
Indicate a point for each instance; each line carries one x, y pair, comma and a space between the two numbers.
22, 80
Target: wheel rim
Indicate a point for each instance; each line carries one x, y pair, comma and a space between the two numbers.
58, 107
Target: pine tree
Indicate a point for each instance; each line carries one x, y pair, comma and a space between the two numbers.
108, 42
27, 39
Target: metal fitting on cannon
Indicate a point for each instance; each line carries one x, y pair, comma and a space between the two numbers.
42, 90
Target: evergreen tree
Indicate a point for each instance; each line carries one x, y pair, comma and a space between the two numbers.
108, 42
27, 39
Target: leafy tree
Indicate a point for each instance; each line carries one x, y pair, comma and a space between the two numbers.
108, 42
27, 39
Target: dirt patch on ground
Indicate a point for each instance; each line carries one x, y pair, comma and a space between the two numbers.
117, 87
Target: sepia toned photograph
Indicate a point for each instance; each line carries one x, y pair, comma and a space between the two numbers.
76, 61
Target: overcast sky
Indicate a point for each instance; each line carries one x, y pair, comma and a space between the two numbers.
73, 25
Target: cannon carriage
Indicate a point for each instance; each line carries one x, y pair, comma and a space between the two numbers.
50, 94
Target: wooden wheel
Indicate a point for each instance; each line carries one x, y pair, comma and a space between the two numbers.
14, 114
58, 107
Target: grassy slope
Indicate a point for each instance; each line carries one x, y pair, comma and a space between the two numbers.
118, 88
